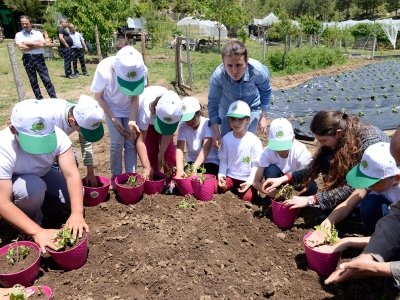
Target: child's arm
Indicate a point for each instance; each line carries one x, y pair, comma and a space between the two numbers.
165, 140
258, 179
180, 147
205, 150
142, 152
103, 104
344, 244
132, 129
223, 165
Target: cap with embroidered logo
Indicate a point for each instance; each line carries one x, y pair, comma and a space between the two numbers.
131, 71
89, 115
376, 164
35, 127
168, 113
238, 109
281, 134
190, 105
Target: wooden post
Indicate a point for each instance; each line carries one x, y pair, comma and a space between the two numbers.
96, 33
17, 75
373, 48
143, 40
177, 59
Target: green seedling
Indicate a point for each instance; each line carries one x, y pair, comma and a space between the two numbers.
185, 204
331, 236
343, 110
188, 170
288, 99
373, 97
18, 292
17, 253
378, 111
348, 98
382, 87
333, 98
385, 96
394, 109
168, 170
302, 120
342, 88
359, 98
133, 181
64, 237
391, 85
362, 87
200, 172
286, 192
319, 99
329, 88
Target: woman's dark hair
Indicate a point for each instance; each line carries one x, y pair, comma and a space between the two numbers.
347, 153
234, 48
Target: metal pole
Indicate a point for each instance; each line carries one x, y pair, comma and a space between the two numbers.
96, 33
17, 75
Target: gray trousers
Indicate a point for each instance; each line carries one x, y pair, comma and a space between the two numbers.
33, 194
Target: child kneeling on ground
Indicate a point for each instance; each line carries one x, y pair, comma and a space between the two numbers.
239, 154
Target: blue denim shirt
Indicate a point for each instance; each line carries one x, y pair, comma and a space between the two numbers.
32, 36
254, 89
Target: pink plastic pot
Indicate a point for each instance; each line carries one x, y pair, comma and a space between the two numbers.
184, 185
205, 191
322, 263
73, 258
283, 216
45, 289
156, 186
96, 195
24, 277
128, 195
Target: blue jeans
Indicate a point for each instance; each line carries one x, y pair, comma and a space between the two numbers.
117, 144
252, 127
273, 171
371, 210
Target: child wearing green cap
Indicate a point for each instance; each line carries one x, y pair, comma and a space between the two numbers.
377, 182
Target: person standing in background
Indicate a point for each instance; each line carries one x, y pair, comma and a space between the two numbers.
31, 43
65, 45
77, 50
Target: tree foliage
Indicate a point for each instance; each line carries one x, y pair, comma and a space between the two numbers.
32, 8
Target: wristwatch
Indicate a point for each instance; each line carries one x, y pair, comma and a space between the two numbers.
311, 201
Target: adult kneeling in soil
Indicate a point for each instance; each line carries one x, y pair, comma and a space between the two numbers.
342, 139
30, 146
238, 78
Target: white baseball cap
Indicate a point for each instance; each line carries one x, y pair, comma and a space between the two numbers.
168, 113
88, 114
34, 124
280, 136
131, 71
190, 105
238, 109
376, 164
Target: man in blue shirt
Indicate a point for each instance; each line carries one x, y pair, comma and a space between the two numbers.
77, 48
238, 78
31, 43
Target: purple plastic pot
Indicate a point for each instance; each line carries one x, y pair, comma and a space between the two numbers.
24, 277
283, 216
128, 195
45, 289
205, 191
96, 195
322, 263
184, 185
152, 187
73, 258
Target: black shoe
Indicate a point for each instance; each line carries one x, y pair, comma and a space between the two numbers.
86, 73
71, 77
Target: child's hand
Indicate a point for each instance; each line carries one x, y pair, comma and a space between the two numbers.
222, 182
244, 187
148, 173
315, 239
180, 174
338, 247
272, 183
297, 202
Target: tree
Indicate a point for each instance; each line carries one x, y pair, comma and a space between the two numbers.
392, 5
32, 8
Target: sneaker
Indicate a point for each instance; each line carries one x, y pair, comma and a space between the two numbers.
76, 74
71, 77
113, 185
86, 73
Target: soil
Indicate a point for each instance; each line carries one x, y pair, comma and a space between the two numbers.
222, 249
7, 268
130, 184
68, 246
36, 296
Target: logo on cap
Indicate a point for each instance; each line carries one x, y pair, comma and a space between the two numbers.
246, 160
184, 107
131, 74
95, 125
234, 108
364, 164
168, 119
38, 125
279, 134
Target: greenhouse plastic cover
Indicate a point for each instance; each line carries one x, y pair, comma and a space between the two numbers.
136, 23
271, 18
372, 92
204, 27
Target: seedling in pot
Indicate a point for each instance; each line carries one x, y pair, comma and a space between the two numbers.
133, 181
286, 192
17, 253
64, 238
18, 292
201, 177
168, 170
331, 236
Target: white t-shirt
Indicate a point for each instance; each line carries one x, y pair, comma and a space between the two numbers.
60, 109
145, 117
194, 141
105, 80
15, 161
298, 157
392, 194
239, 158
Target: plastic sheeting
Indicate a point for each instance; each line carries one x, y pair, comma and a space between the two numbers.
138, 23
372, 92
270, 19
202, 27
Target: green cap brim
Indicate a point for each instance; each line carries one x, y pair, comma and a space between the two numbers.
93, 135
131, 88
164, 128
359, 180
38, 145
236, 115
276, 145
188, 117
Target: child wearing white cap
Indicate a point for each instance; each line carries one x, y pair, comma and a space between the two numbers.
30, 146
283, 154
159, 115
239, 154
377, 182
117, 84
84, 117
195, 133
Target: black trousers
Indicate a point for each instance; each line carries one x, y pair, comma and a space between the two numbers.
79, 53
35, 63
67, 53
